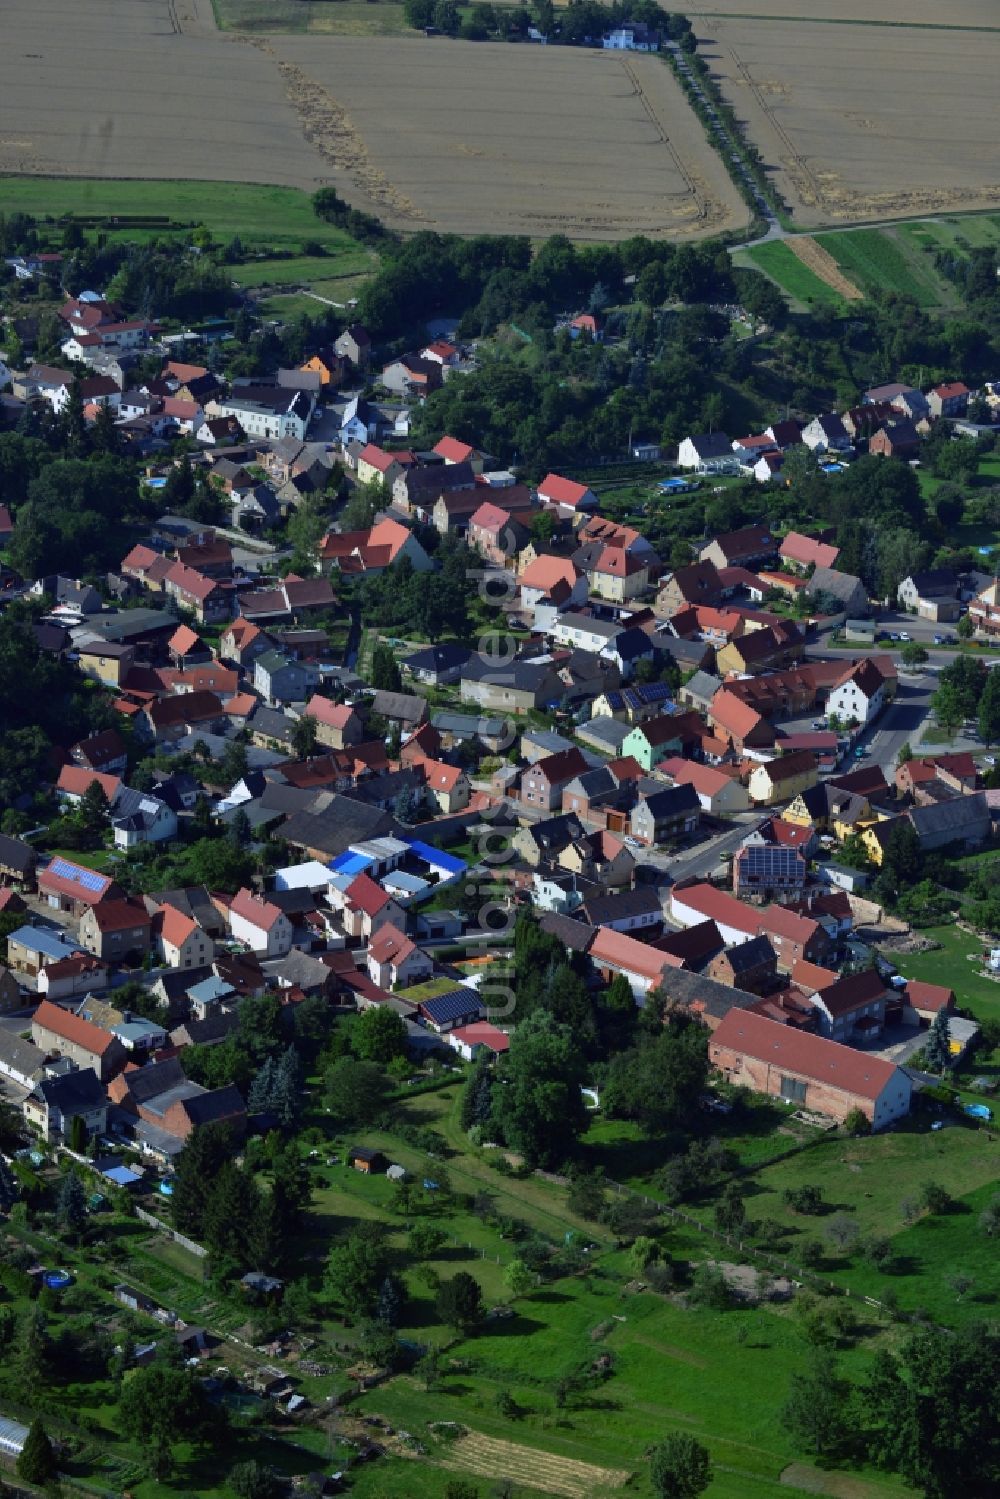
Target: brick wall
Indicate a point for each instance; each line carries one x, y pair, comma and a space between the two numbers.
761, 1077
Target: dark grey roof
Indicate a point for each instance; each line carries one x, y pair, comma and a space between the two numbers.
272, 723
438, 657
702, 994
575, 935
830, 580
956, 816
747, 955
712, 445
14, 854
672, 800
72, 1092
333, 822
603, 910
935, 582
452, 1006
633, 644
156, 1079
555, 833
219, 1103
407, 706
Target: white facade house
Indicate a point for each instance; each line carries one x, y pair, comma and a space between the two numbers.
281, 413
858, 696
260, 925
634, 38
827, 434
584, 633
708, 453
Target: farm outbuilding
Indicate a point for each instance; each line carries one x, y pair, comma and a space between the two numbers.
363, 1159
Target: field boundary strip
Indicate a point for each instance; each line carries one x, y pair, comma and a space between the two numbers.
823, 265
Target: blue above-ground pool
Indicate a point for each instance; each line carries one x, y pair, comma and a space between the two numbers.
978, 1111
57, 1280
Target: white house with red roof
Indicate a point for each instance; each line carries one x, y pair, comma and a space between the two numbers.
447, 784
179, 940
566, 494
619, 574
859, 695
261, 926
394, 961
718, 792
453, 451
472, 1040
373, 550
552, 580
441, 352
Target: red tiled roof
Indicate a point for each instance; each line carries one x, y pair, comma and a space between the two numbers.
254, 909
617, 950
75, 781
704, 778
390, 945
365, 895
441, 777
482, 1033
453, 451
924, 996
718, 906
72, 1028
333, 715
545, 572
562, 491
191, 583
811, 977
798, 1053
74, 880
852, 992
733, 715
804, 550
174, 926
183, 639
120, 915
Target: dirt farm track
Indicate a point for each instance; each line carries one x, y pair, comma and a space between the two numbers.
430, 133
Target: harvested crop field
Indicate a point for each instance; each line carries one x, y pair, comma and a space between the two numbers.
981, 13
516, 140
864, 122
491, 1457
472, 138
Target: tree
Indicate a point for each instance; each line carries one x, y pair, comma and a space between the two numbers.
77, 1134
730, 1211
161, 1405
540, 1107
356, 1269
385, 674
842, 1232
913, 653
933, 1413
815, 1412
658, 1082
425, 1240
460, 1301
966, 627
304, 736
355, 1091
947, 706
518, 1279
71, 1204
679, 1467
937, 1047
988, 721
254, 1480
33, 1355
36, 1461
856, 1122
935, 1199
379, 1035
207, 1150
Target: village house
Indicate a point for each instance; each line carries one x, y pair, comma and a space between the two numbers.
822, 1076
707, 453
719, 793
843, 593
180, 942
496, 535
448, 785
750, 966
280, 679
57, 1030
852, 1008
259, 924
827, 434
931, 594
66, 886
949, 400
543, 784
55, 1102
740, 548
117, 931
365, 908
661, 815
781, 779
619, 575
768, 872
566, 494
394, 961
859, 695
624, 910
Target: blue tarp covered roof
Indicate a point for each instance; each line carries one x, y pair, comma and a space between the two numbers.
350, 863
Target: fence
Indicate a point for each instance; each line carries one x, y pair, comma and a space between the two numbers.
171, 1233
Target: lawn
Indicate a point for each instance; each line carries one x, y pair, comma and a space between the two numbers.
720, 1376
348, 18
776, 260
879, 262
302, 270
956, 965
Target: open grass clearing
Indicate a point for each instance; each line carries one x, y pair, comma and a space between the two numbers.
877, 260
795, 279
957, 965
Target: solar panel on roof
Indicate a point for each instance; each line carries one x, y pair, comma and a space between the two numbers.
766, 861
88, 878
